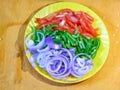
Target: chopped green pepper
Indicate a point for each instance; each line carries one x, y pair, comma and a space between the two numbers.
77, 41
58, 41
34, 37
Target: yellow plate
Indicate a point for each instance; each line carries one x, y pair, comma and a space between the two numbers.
102, 52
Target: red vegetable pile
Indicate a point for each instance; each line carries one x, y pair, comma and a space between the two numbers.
71, 21
63, 44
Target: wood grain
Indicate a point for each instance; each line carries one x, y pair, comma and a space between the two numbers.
15, 71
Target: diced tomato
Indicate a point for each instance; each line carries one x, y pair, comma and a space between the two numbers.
80, 21
86, 19
88, 35
55, 21
79, 29
71, 18
66, 11
60, 28
92, 30
68, 28
38, 20
51, 16
39, 26
77, 16
71, 31
70, 24
89, 17
41, 21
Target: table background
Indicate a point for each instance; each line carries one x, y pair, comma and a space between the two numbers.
15, 71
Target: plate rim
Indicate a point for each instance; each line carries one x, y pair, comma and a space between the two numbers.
61, 81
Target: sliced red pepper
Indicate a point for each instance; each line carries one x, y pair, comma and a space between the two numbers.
79, 29
67, 11
71, 18
65, 28
80, 21
41, 21
70, 24
89, 17
88, 35
51, 16
55, 21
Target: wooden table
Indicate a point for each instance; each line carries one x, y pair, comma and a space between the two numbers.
15, 71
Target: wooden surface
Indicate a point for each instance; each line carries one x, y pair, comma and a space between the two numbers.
15, 71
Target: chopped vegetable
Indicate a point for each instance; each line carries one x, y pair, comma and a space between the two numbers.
81, 65
69, 20
63, 44
58, 67
30, 43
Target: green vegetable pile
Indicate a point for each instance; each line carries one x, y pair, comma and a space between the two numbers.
80, 43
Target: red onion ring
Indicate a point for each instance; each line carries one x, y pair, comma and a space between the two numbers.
55, 68
42, 58
80, 66
57, 73
70, 55
43, 50
33, 59
67, 73
51, 44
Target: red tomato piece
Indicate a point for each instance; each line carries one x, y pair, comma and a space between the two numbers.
88, 35
89, 17
56, 21
71, 18
41, 21
79, 29
93, 31
39, 26
70, 24
51, 16
66, 11
80, 21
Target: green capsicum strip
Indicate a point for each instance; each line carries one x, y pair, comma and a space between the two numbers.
34, 37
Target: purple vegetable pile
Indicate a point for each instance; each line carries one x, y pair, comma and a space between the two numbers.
59, 62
